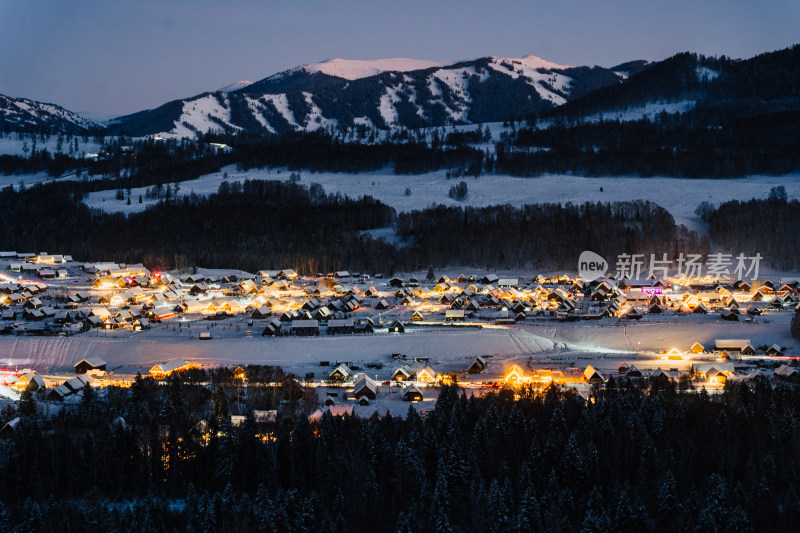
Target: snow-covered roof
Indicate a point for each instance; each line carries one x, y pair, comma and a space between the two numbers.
94, 362
169, 366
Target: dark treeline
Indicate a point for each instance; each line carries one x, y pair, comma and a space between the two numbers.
122, 163
141, 163
273, 224
40, 161
254, 225
548, 236
767, 226
320, 151
715, 141
643, 458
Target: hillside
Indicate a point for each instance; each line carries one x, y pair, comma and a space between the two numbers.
22, 114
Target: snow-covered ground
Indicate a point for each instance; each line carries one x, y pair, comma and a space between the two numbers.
534, 343
679, 196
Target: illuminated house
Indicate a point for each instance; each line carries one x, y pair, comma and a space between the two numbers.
592, 376
162, 370
674, 354
426, 375
30, 381
404, 373
708, 370
340, 373
515, 375
412, 394
697, 348
287, 273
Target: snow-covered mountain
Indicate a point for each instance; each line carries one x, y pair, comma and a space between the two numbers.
382, 93
24, 114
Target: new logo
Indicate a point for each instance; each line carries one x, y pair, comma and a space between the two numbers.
591, 266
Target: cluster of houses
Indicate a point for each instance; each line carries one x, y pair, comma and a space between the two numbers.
129, 296
92, 371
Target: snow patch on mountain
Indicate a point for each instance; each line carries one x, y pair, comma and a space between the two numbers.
281, 103
353, 69
457, 81
203, 114
257, 108
386, 106
315, 118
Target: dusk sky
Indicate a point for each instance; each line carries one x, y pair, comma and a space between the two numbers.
116, 57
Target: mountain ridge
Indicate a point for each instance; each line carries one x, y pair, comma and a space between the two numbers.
346, 93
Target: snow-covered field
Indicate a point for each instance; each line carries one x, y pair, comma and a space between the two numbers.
539, 344
679, 196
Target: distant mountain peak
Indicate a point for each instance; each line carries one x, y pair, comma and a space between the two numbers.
235, 86
537, 62
354, 69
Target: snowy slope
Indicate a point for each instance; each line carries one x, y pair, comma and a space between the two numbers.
203, 114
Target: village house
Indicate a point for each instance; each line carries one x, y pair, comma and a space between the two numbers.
478, 365
366, 387
734, 345
89, 365
340, 373
396, 327
341, 326
592, 376
305, 327
162, 370
412, 394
